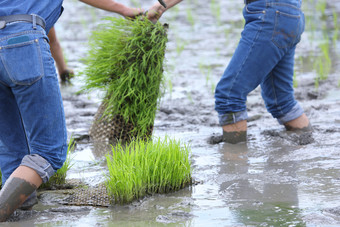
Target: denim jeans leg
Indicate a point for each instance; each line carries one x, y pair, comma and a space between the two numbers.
42, 112
13, 143
29, 76
265, 50
278, 92
247, 68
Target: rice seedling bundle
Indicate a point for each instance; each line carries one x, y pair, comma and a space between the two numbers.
126, 62
145, 167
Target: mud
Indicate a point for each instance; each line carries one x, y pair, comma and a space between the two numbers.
277, 178
13, 194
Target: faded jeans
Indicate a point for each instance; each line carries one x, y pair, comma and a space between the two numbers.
265, 57
32, 121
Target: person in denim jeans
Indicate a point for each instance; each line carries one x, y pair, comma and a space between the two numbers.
33, 137
264, 56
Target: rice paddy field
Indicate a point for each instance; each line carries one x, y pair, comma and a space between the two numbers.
275, 179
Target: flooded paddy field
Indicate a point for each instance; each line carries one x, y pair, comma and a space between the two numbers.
277, 178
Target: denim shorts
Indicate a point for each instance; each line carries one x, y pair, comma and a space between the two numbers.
32, 120
265, 57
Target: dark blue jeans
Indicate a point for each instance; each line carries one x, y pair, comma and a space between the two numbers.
265, 57
32, 120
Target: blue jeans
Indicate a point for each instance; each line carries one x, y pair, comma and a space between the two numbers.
32, 121
264, 56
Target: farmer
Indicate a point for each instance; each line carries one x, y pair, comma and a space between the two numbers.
33, 140
264, 56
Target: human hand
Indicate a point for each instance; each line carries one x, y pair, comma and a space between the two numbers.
155, 12
132, 13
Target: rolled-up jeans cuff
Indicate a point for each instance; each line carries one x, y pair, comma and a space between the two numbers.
231, 118
294, 113
40, 165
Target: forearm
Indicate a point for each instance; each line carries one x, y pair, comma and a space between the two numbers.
107, 5
156, 11
169, 4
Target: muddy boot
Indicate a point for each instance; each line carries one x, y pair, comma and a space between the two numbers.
13, 194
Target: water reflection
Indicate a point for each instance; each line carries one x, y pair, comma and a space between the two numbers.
265, 196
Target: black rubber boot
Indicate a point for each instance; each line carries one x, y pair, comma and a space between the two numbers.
12, 195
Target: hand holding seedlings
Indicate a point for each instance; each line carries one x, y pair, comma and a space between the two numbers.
156, 11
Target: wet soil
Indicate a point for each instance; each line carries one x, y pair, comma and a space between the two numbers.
277, 178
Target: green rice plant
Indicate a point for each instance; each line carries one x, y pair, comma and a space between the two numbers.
323, 63
189, 96
93, 12
213, 88
126, 62
336, 28
145, 167
321, 7
295, 83
180, 45
190, 17
216, 11
170, 86
59, 177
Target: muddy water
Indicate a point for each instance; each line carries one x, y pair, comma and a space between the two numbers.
275, 179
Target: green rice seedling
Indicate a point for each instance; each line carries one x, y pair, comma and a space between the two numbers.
126, 62
93, 12
189, 96
336, 28
323, 62
213, 87
216, 11
321, 7
170, 86
295, 83
180, 45
59, 177
146, 167
190, 17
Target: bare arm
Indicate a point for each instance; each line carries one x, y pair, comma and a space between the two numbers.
115, 7
156, 11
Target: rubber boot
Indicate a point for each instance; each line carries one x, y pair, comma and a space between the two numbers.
14, 193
